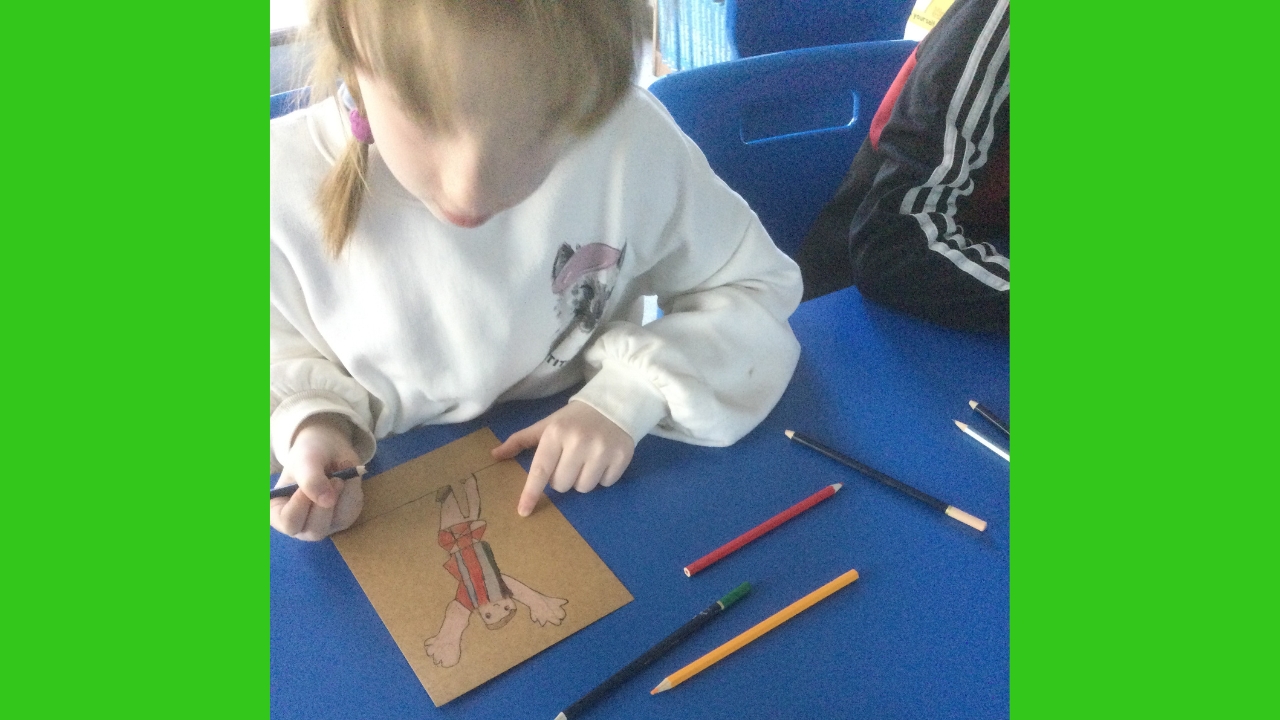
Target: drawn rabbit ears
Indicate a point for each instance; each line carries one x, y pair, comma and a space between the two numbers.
573, 265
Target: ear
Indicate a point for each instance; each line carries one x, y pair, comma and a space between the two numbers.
562, 259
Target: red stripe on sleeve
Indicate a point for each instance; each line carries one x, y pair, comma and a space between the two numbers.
890, 99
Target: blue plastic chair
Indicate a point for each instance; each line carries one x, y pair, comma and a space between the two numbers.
756, 27
782, 129
286, 102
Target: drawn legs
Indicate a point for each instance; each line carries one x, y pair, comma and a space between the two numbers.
450, 513
445, 648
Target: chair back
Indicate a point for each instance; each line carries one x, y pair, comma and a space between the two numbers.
782, 129
286, 102
757, 27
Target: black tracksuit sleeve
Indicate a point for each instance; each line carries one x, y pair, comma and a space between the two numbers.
924, 211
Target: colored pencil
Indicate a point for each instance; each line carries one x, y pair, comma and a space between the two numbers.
761, 529
990, 445
737, 643
288, 490
662, 648
990, 416
933, 502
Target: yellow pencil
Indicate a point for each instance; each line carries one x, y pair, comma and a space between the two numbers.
737, 643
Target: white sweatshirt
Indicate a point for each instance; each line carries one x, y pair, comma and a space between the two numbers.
422, 322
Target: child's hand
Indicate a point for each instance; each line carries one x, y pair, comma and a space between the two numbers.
577, 448
322, 505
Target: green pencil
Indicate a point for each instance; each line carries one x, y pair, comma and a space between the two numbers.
657, 651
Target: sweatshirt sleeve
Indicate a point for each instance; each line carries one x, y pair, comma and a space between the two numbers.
717, 361
304, 381
913, 224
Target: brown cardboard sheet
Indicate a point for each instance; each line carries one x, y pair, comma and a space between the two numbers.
435, 566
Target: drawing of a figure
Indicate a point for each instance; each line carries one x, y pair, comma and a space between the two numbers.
482, 588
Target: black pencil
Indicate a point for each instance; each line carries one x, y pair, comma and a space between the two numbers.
657, 651
933, 502
990, 416
285, 491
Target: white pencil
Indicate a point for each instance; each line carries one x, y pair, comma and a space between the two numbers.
990, 445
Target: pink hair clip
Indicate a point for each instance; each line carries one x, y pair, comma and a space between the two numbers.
360, 127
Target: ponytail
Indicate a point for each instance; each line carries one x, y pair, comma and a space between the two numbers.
341, 194
342, 191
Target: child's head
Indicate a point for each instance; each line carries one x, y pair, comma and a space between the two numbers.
471, 102
497, 613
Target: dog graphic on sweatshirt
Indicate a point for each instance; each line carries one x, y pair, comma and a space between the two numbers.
583, 280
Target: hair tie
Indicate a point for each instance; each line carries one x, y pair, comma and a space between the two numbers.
360, 127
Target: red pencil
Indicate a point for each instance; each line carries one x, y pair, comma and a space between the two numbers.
763, 528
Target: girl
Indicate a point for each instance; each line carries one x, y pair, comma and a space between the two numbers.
481, 224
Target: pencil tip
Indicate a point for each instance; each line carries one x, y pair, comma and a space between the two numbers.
663, 686
790, 434
973, 404
836, 487
960, 425
562, 716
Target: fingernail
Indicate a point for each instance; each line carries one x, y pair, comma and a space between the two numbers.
524, 511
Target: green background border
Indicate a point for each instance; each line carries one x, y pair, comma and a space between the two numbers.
135, 267
1141, 361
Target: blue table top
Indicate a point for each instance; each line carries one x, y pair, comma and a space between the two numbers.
923, 633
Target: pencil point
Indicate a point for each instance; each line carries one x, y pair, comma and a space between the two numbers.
562, 716
663, 686
790, 434
960, 425
973, 404
837, 487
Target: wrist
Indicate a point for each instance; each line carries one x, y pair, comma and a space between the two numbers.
329, 427
626, 397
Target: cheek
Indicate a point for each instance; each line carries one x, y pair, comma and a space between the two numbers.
524, 177
410, 162
402, 147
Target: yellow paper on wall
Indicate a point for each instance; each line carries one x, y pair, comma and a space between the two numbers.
924, 16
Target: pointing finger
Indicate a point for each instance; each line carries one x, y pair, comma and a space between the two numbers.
540, 470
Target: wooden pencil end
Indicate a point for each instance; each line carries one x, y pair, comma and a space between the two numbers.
976, 523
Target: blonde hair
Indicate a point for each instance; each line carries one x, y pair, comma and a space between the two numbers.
587, 50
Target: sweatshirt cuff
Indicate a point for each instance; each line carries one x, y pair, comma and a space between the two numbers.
298, 407
626, 397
